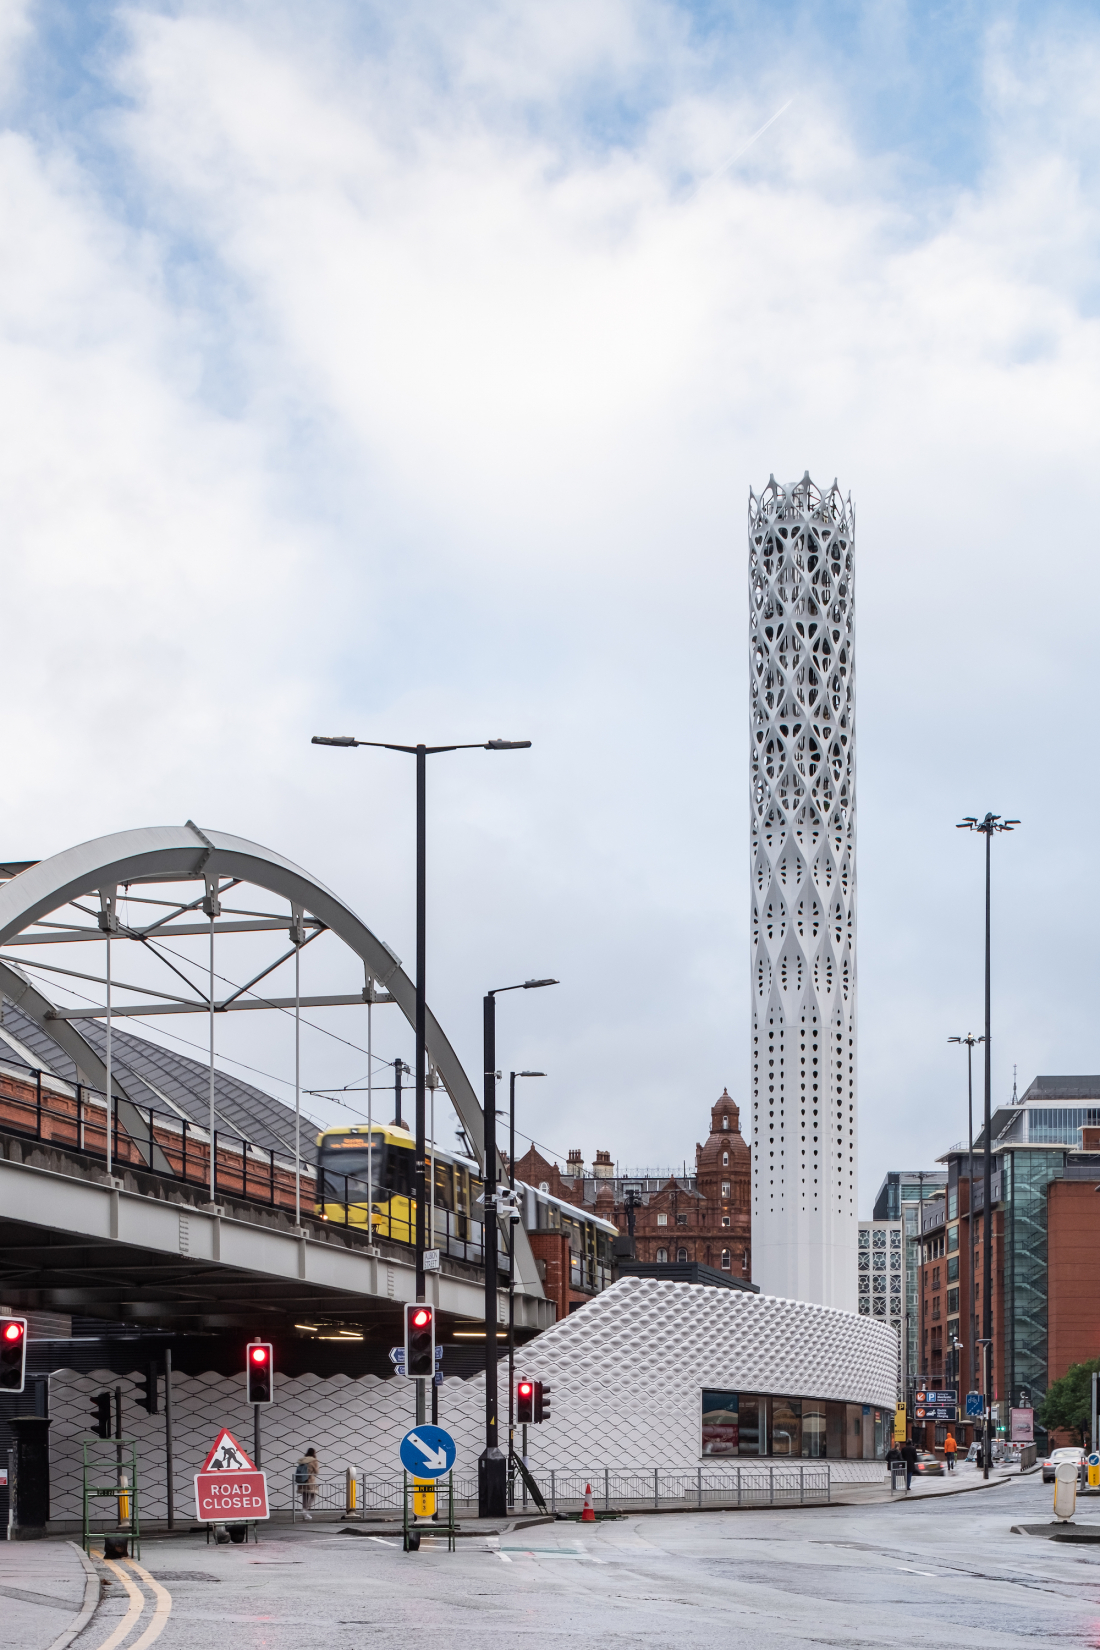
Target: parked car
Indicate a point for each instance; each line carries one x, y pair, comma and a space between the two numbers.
1074, 1453
928, 1465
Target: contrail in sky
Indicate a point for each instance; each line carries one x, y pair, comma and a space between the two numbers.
747, 145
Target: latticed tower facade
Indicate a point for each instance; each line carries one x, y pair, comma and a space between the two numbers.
801, 562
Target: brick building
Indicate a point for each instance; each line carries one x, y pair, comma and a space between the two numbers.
702, 1217
1045, 1227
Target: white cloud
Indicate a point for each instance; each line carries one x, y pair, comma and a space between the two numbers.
377, 388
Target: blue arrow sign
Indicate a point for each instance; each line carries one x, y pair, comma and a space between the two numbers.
975, 1404
428, 1452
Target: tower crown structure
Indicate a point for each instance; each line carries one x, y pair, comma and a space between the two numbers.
802, 688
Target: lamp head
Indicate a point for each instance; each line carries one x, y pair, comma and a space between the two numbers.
337, 739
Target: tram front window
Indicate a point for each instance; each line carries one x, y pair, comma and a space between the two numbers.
392, 1168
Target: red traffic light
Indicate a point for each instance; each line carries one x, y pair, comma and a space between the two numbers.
13, 1332
525, 1389
421, 1318
259, 1354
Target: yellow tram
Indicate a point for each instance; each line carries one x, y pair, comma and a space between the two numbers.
365, 1177
382, 1158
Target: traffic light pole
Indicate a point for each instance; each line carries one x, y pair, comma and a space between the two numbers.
492, 1469
169, 1463
256, 1462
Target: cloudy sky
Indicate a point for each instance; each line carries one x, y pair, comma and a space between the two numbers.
403, 371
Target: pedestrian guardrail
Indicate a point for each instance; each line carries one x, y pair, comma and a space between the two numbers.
612, 1488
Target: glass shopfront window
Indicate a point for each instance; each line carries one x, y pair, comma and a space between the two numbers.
753, 1428
738, 1424
786, 1426
813, 1430
721, 1434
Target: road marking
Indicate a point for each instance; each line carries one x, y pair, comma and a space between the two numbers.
504, 1559
134, 1609
161, 1611
933, 1575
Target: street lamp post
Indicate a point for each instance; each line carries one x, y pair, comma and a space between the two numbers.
421, 752
492, 1469
986, 827
970, 1042
514, 1218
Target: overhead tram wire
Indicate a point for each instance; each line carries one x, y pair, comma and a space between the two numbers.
243, 1064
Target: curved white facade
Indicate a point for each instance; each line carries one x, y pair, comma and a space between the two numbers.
802, 685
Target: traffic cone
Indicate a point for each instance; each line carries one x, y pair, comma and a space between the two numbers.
588, 1516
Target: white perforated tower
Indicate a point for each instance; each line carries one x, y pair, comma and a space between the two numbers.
804, 1227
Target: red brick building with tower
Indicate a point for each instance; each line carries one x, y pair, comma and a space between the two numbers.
701, 1217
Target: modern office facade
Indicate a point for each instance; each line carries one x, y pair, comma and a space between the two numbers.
899, 1198
881, 1283
802, 810
1044, 1229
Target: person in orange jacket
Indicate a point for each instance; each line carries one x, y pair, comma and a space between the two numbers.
949, 1448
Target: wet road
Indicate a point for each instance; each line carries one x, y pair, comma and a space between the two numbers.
945, 1572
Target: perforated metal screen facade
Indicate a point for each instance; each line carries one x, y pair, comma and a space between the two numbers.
802, 686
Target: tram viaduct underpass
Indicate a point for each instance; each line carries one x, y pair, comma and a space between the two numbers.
141, 1244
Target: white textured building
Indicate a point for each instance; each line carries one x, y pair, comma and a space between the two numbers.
648, 1375
801, 564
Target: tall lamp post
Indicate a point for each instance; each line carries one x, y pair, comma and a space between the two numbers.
514, 1218
970, 1042
492, 1468
421, 752
986, 827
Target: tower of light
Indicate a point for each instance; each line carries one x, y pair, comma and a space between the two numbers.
801, 562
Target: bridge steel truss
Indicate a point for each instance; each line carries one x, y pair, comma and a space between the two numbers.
282, 1270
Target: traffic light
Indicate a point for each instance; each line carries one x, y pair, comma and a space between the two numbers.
259, 1372
531, 1403
147, 1390
101, 1410
420, 1341
13, 1354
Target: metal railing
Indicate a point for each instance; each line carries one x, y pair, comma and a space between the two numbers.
74, 1118
613, 1489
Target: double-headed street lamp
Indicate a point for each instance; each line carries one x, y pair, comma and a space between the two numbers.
970, 1042
492, 1468
986, 827
421, 752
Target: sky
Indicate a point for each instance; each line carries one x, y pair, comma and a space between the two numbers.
403, 371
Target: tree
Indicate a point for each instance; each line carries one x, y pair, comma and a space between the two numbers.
1067, 1406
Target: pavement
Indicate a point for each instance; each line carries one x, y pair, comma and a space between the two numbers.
46, 1591
937, 1569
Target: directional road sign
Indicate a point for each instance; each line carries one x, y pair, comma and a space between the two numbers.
428, 1452
397, 1359
229, 1486
975, 1404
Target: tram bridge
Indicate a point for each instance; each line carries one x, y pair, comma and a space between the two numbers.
102, 1210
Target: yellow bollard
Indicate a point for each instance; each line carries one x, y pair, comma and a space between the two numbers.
423, 1497
352, 1490
124, 1501
1094, 1471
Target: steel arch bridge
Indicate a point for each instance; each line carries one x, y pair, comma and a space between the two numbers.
86, 881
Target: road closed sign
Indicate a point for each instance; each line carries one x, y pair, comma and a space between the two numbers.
229, 1487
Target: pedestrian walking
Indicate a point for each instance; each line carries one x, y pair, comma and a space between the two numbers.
306, 1476
909, 1456
949, 1448
893, 1456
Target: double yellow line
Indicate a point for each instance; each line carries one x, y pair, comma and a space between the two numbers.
137, 1602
